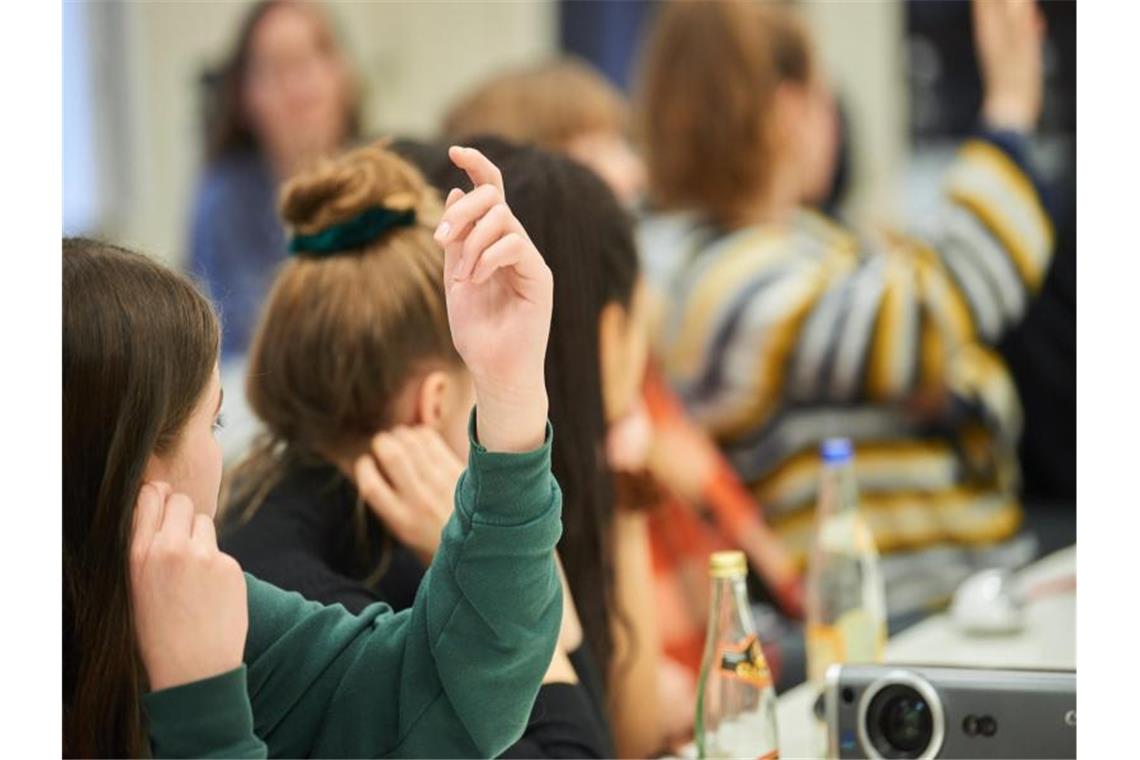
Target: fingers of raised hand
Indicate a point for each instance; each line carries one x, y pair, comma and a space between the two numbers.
496, 224
478, 167
464, 212
508, 251
455, 194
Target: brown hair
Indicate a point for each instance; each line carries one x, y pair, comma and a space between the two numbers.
139, 344
226, 126
547, 104
342, 332
708, 76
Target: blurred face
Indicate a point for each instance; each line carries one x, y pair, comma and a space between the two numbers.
296, 90
817, 139
610, 156
625, 351
194, 465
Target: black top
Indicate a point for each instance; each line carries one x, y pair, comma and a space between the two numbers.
303, 538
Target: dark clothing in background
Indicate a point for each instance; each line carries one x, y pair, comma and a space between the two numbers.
237, 242
1042, 354
303, 538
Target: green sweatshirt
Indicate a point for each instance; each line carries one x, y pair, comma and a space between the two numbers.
454, 676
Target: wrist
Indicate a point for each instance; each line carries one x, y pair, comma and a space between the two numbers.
510, 420
1009, 113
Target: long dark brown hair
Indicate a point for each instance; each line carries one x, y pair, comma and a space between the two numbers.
139, 344
225, 123
587, 241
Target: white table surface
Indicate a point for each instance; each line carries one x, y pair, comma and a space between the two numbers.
1047, 641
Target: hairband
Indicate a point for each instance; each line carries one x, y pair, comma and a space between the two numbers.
354, 233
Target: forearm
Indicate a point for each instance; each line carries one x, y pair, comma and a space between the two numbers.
493, 599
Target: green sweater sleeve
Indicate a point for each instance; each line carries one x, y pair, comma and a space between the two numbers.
455, 675
207, 718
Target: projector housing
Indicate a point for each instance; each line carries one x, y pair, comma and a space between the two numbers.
902, 711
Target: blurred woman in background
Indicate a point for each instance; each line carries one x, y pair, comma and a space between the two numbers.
783, 328
594, 370
562, 105
284, 96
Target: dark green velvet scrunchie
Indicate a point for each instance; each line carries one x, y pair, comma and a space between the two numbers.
354, 233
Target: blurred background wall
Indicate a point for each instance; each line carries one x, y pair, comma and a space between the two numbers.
132, 145
132, 71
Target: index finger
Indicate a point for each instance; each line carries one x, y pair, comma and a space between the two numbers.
478, 167
147, 516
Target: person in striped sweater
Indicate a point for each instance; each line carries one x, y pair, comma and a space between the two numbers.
780, 327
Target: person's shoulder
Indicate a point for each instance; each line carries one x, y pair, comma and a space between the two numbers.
813, 229
665, 229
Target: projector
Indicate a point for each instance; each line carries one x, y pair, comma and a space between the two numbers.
893, 711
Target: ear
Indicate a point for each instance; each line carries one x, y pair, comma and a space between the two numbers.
788, 106
433, 398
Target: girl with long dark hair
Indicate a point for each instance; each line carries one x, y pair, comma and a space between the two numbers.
594, 369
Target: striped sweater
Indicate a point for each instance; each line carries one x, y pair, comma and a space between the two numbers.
777, 336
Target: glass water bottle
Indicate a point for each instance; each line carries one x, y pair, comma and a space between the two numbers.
846, 606
736, 700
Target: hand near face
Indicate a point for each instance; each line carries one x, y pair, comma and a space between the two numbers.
499, 301
408, 480
188, 598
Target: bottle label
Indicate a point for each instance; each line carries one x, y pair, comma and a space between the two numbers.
855, 637
744, 661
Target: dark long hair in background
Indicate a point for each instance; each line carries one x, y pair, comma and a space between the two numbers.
587, 240
139, 344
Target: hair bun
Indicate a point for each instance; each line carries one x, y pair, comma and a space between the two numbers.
335, 190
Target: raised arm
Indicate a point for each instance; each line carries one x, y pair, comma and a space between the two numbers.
458, 673
838, 319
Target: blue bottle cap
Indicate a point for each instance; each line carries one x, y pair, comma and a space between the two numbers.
836, 450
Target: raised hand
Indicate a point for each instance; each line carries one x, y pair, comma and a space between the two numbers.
189, 598
1009, 36
408, 480
499, 300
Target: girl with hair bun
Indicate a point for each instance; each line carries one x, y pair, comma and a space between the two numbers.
365, 402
